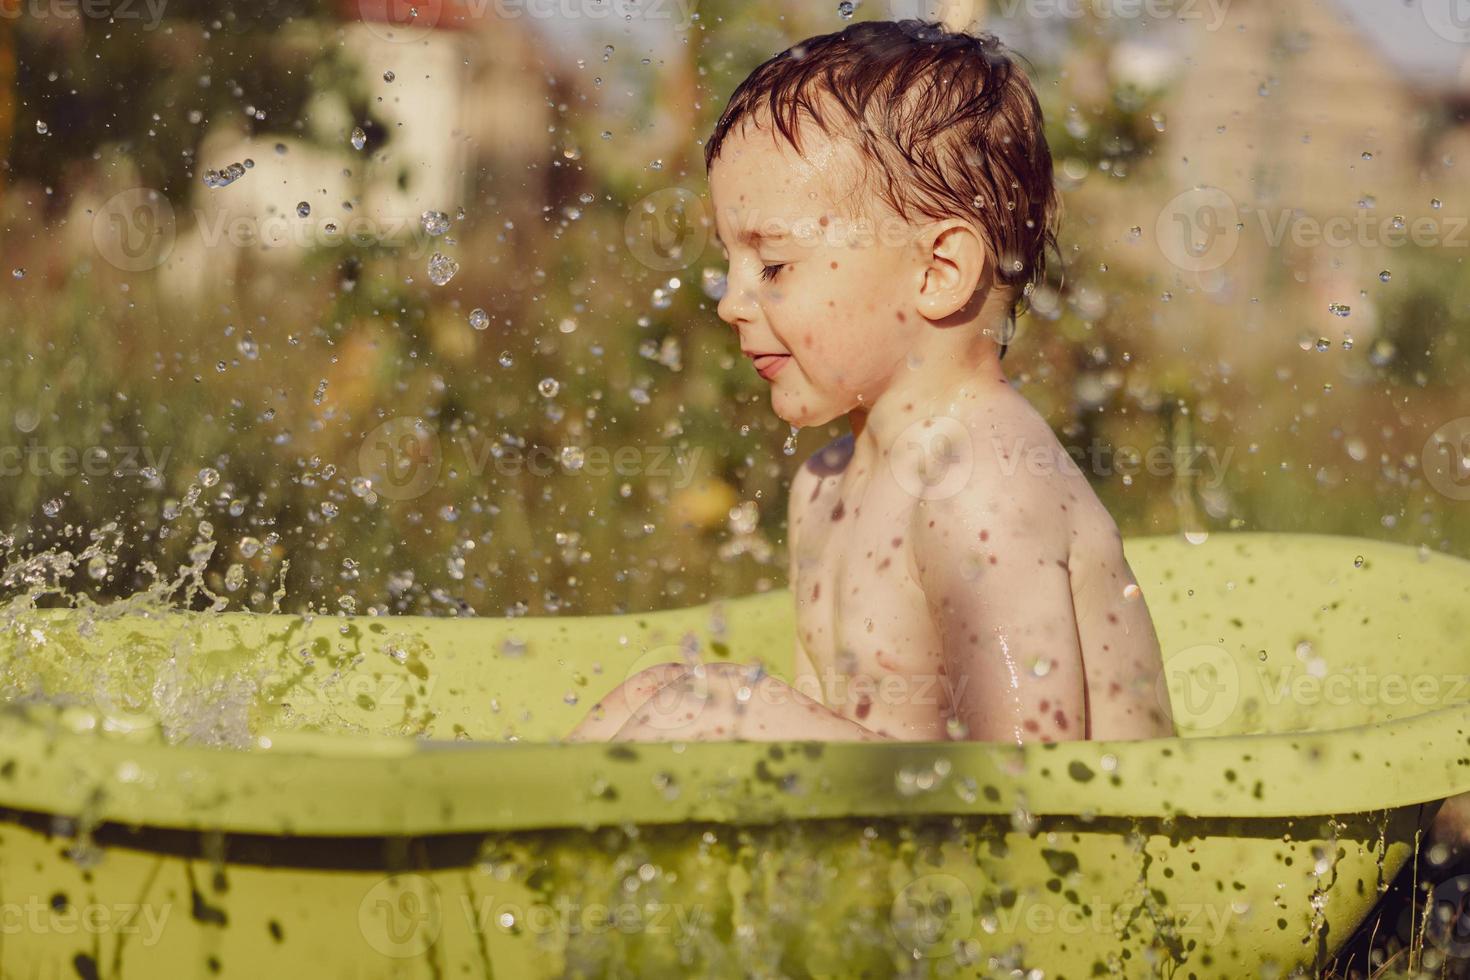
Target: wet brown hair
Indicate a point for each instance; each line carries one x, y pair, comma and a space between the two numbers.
945, 123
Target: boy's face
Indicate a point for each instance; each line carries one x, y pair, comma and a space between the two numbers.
833, 298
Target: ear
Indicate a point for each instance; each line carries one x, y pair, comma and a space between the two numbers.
955, 264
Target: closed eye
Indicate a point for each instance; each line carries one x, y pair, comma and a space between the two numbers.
768, 272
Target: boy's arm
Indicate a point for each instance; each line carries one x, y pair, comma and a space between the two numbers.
995, 577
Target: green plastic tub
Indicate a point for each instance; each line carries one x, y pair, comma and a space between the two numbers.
396, 804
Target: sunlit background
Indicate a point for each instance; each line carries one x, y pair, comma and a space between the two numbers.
383, 308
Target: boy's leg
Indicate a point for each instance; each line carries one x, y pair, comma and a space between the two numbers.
725, 701
613, 711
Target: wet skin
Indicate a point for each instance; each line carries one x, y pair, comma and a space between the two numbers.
954, 573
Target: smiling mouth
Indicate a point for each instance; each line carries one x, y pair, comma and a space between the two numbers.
767, 365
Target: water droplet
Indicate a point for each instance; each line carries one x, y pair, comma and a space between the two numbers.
388, 76
97, 567
441, 268
52, 507
209, 476
249, 547
216, 179
1436, 203
1367, 155
549, 387
435, 223
42, 128
359, 138
505, 359
1385, 276
1339, 309
1347, 342
572, 458
1323, 344
18, 272
1131, 591
303, 210
361, 486
845, 9
1382, 352
789, 446
712, 282
1358, 562
479, 319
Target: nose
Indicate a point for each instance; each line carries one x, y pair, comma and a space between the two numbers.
738, 305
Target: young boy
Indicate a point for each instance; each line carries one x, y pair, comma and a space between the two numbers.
883, 196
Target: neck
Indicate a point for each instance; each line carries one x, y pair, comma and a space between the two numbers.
952, 369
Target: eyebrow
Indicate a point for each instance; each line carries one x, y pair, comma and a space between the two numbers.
755, 236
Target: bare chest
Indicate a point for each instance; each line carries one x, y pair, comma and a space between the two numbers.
861, 614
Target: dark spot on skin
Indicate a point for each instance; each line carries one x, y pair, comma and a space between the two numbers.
909, 407
884, 563
834, 265
902, 318
1061, 719
823, 222
1106, 647
1045, 704
806, 341
817, 591
1064, 506
974, 638
1112, 617
984, 535
838, 511
1114, 688
831, 303
994, 560
864, 705
1030, 725
931, 523
897, 542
